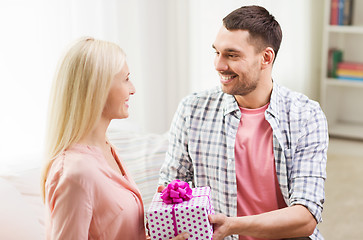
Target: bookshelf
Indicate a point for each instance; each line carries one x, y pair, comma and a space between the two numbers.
342, 100
346, 29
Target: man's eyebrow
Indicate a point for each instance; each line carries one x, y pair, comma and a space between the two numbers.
231, 50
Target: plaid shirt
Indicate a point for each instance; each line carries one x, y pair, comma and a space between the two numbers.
202, 139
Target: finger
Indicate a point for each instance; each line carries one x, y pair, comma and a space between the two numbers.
216, 237
161, 188
147, 225
181, 236
213, 218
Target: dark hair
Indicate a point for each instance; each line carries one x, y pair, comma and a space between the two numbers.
264, 30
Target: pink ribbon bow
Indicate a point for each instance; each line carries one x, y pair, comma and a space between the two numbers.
176, 192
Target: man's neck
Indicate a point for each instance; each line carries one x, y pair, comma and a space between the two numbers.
258, 98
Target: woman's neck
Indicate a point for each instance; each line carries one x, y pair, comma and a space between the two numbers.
97, 137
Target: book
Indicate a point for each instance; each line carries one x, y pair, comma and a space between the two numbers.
349, 73
335, 56
351, 65
341, 4
350, 78
334, 18
330, 62
348, 12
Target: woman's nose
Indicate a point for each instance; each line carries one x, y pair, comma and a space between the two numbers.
132, 89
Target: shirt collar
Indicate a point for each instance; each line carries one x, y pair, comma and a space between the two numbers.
273, 108
230, 104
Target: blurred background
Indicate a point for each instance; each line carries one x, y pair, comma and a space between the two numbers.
168, 46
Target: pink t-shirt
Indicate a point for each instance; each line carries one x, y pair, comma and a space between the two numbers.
258, 189
87, 199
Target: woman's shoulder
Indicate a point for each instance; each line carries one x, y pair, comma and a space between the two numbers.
76, 164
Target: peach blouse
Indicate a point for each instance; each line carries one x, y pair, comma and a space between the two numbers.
87, 199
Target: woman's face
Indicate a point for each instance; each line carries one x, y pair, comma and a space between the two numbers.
117, 102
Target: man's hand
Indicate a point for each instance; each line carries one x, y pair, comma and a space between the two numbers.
181, 236
161, 188
221, 226
288, 222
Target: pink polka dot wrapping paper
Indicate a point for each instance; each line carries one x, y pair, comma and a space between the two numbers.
189, 216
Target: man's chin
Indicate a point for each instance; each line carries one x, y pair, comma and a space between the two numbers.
227, 90
235, 92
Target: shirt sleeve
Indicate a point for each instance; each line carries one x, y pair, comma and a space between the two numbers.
70, 210
309, 165
178, 163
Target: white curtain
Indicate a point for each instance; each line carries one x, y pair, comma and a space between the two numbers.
168, 46
35, 33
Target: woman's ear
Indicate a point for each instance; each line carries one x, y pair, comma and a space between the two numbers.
268, 57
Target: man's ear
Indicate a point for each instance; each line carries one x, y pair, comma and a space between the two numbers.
268, 56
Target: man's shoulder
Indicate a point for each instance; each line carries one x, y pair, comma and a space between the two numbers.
295, 101
210, 96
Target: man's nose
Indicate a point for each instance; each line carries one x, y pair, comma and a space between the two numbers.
220, 64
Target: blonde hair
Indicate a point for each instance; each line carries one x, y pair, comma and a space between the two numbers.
79, 93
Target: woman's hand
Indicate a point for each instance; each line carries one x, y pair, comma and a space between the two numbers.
181, 236
160, 188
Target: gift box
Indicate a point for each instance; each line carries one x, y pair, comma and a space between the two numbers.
166, 220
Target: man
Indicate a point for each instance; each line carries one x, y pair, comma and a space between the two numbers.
259, 146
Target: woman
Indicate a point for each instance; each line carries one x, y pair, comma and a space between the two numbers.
88, 193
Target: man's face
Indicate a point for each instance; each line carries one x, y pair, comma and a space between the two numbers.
236, 61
